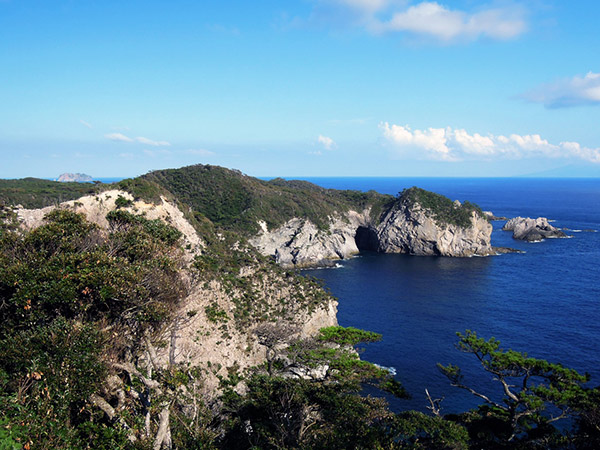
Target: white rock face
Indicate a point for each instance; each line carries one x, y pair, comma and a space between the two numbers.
413, 231
299, 243
528, 229
96, 207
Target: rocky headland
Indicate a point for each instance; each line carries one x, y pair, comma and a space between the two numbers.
532, 230
418, 222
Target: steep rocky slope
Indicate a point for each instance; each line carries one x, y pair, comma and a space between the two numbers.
231, 290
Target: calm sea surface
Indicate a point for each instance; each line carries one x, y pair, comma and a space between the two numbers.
545, 302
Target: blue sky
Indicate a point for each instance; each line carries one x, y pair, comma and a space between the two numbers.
300, 88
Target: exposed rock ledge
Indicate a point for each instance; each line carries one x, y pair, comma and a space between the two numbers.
405, 228
532, 230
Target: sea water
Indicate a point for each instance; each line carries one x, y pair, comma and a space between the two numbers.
545, 301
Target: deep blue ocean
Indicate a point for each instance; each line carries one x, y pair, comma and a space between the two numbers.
545, 302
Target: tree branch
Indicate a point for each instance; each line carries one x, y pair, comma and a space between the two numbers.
477, 394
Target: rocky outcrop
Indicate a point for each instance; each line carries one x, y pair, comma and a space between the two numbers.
75, 177
532, 230
491, 216
300, 243
410, 228
406, 228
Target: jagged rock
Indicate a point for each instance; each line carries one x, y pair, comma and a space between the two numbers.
532, 230
491, 216
300, 243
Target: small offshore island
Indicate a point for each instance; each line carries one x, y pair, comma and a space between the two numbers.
166, 311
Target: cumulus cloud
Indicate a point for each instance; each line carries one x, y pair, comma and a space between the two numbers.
431, 19
575, 91
448, 144
326, 142
142, 140
434, 20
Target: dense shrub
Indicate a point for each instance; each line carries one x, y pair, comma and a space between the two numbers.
444, 210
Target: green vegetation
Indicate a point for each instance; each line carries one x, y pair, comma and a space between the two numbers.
142, 189
71, 301
122, 202
215, 313
236, 202
37, 193
444, 210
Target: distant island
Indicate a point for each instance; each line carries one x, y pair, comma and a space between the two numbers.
75, 177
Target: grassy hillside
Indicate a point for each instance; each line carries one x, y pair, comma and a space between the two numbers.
444, 210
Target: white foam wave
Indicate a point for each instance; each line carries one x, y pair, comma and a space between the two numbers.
391, 370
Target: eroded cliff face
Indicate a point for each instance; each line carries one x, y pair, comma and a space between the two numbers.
405, 228
300, 243
213, 327
413, 230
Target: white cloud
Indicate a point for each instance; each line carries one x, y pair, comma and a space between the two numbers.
327, 142
433, 20
575, 91
147, 141
142, 140
118, 137
448, 144
85, 124
316, 153
126, 155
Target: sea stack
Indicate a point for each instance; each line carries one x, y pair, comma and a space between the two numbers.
532, 230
